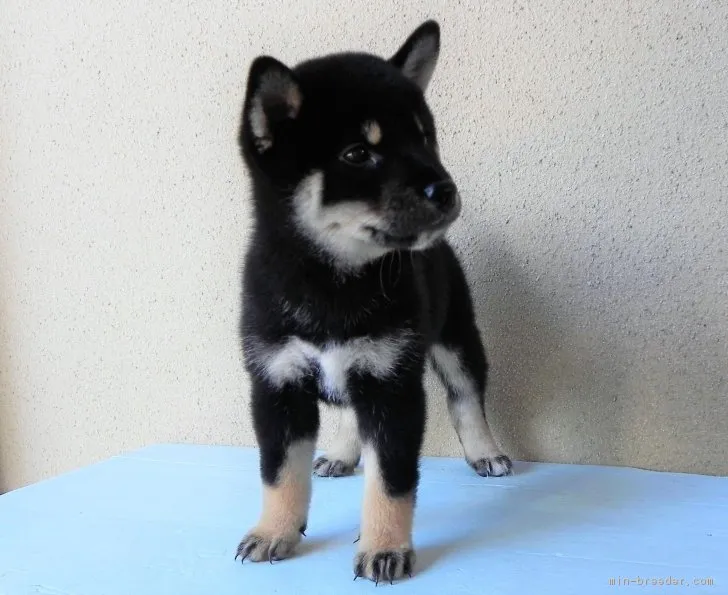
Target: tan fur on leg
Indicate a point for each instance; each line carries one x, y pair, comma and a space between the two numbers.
285, 508
386, 521
386, 527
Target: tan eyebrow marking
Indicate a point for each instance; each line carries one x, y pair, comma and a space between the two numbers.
372, 131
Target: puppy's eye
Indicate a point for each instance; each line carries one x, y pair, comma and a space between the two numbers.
359, 156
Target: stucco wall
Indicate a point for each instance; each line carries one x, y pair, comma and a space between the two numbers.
589, 143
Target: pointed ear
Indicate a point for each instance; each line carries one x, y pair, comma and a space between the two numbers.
418, 56
273, 96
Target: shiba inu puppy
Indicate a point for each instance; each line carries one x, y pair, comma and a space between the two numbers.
350, 288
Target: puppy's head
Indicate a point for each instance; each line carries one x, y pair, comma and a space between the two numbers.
349, 144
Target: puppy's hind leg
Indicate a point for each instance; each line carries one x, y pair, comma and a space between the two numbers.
343, 455
459, 360
465, 404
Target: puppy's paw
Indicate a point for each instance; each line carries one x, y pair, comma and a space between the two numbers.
384, 565
492, 467
325, 467
261, 545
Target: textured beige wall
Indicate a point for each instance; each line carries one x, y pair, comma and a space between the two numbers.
589, 142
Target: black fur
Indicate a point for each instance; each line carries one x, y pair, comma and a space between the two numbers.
295, 286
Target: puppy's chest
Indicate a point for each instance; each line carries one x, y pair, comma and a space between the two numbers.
333, 363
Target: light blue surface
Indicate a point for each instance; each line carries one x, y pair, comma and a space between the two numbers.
167, 520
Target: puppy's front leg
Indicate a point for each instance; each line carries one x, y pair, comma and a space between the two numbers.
391, 423
286, 421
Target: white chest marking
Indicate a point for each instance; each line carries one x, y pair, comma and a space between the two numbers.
292, 360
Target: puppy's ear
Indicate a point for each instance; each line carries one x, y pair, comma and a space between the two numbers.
418, 56
273, 96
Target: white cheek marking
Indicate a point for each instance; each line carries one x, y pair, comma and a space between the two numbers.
339, 229
291, 361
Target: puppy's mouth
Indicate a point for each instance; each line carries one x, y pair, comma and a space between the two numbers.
415, 241
390, 240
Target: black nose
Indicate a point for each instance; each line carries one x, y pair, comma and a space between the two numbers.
442, 194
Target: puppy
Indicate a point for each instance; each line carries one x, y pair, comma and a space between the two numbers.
350, 288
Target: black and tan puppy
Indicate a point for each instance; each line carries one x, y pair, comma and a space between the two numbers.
350, 288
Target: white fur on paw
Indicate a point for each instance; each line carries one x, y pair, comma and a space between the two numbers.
260, 546
492, 467
325, 467
384, 565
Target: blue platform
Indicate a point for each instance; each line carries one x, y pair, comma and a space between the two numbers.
167, 520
